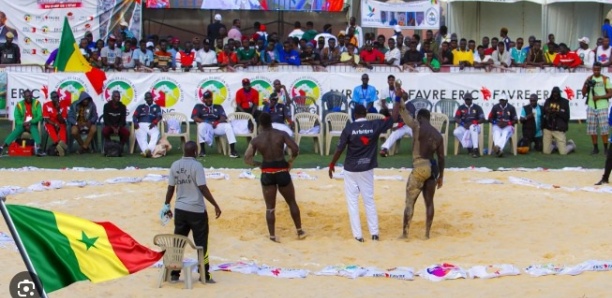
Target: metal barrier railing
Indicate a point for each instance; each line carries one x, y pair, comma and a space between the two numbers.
22, 67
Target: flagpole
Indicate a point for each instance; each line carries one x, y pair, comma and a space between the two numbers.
22, 251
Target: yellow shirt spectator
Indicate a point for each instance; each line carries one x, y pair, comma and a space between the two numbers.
459, 55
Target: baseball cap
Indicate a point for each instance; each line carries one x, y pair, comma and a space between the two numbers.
207, 94
150, 44
341, 33
533, 96
262, 27
217, 17
112, 37
123, 23
468, 96
246, 82
503, 97
584, 39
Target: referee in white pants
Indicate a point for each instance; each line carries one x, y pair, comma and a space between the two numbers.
361, 139
146, 116
502, 117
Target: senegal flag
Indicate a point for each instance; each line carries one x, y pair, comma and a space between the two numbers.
66, 249
70, 59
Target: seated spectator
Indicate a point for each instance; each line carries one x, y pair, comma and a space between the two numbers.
446, 56
174, 49
566, 59
55, 116
227, 57
394, 55
320, 44
532, 120
493, 48
462, 56
206, 57
342, 42
350, 57
536, 55
142, 56
288, 55
127, 61
281, 114
556, 123
268, 56
469, 117
219, 45
551, 43
502, 117
587, 56
247, 55
481, 60
331, 54
281, 91
111, 55
309, 56
27, 115
84, 49
501, 57
603, 53
10, 52
146, 117
114, 115
95, 60
380, 44
369, 55
82, 117
212, 121
186, 58
162, 59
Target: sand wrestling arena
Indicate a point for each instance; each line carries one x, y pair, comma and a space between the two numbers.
503, 233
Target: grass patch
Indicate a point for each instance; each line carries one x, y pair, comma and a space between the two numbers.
308, 159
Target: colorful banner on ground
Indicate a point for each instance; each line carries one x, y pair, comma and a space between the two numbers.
37, 24
293, 5
413, 14
180, 91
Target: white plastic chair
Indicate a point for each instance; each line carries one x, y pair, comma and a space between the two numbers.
305, 123
174, 252
334, 124
171, 126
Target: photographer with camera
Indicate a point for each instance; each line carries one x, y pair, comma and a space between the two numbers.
556, 123
597, 89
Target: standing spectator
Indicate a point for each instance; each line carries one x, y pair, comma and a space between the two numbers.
380, 44
604, 52
124, 29
598, 90
502, 117
536, 55
531, 41
213, 30
551, 43
55, 116
532, 120
518, 53
503, 33
469, 117
606, 29
358, 31
162, 58
310, 32
114, 116
566, 59
413, 57
9, 52
288, 55
365, 94
234, 33
84, 49
360, 138
370, 55
462, 56
446, 55
551, 54
556, 123
493, 48
145, 119
485, 43
331, 54
127, 61
587, 56
187, 177
111, 55
297, 30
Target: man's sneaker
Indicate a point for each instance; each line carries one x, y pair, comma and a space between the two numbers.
147, 153
496, 150
375, 237
572, 143
595, 151
211, 281
602, 182
234, 154
384, 152
60, 150
202, 154
470, 150
359, 239
174, 278
475, 153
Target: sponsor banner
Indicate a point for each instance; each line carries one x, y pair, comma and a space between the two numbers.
37, 24
415, 14
291, 5
180, 92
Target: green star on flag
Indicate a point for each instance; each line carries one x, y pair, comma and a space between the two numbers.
89, 242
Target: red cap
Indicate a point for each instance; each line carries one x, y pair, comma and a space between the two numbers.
262, 28
246, 81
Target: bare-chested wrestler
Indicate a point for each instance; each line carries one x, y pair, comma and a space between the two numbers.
426, 170
275, 175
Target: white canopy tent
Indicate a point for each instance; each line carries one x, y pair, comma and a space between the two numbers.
567, 20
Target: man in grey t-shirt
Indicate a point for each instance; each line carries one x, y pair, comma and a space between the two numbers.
187, 177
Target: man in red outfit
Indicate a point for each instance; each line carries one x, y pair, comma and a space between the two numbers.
566, 59
55, 115
247, 100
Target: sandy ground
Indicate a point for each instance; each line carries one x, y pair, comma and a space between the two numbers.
474, 224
